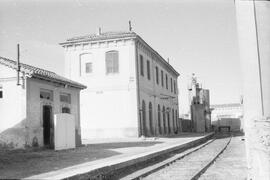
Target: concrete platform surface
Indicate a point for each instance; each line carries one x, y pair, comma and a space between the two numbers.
96, 155
125, 155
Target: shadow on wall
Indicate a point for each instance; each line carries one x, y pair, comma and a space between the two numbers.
186, 125
233, 123
14, 137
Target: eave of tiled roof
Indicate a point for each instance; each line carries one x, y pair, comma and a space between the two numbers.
39, 73
114, 36
102, 36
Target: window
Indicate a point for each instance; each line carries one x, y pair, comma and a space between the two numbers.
162, 80
174, 87
141, 65
88, 68
46, 94
148, 70
65, 110
86, 64
1, 91
112, 62
66, 98
157, 78
166, 81
171, 85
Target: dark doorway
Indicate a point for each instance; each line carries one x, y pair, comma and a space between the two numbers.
143, 119
47, 126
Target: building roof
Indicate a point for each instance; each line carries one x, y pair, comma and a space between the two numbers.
102, 36
39, 73
226, 105
113, 36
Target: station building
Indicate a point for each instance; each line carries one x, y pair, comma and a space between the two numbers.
27, 108
132, 91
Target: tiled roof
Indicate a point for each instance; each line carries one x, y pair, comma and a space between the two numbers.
102, 36
114, 35
40, 73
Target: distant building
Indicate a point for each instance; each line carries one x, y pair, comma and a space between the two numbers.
27, 110
228, 115
132, 90
199, 100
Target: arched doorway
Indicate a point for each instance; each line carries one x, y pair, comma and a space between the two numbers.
159, 123
173, 121
164, 120
151, 118
143, 119
168, 119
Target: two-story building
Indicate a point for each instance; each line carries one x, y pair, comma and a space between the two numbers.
132, 91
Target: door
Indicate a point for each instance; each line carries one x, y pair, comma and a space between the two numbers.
47, 126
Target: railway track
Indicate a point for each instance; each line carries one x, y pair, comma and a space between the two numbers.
190, 164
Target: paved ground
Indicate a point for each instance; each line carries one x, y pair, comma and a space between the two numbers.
231, 164
25, 163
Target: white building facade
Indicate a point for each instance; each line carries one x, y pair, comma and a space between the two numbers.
132, 90
27, 110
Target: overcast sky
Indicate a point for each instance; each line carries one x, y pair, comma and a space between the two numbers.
198, 36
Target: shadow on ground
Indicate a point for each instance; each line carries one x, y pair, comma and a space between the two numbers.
220, 135
16, 164
115, 145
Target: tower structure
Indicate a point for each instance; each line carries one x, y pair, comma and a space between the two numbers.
199, 101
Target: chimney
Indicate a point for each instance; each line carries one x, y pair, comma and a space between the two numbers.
129, 24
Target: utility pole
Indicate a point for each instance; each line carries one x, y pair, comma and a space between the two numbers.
18, 65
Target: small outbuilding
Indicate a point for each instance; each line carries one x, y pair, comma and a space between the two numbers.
30, 98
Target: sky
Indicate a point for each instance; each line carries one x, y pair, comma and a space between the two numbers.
198, 36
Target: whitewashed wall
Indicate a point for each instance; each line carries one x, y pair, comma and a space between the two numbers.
109, 104
12, 109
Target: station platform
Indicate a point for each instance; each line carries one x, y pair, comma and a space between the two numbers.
126, 152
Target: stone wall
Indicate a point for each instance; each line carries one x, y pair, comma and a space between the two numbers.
258, 148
